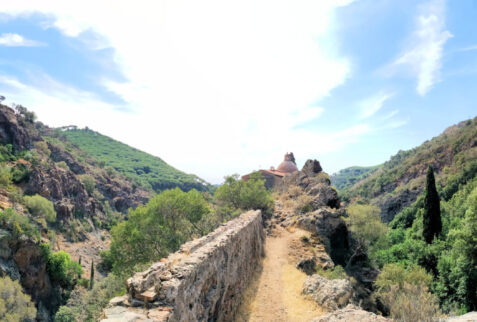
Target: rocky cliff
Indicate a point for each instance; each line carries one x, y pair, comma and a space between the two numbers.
203, 281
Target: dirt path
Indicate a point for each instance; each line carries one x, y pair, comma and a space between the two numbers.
275, 294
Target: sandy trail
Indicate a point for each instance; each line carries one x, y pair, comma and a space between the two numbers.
275, 293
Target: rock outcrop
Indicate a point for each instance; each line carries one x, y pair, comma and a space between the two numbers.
314, 182
351, 313
329, 294
21, 259
11, 131
203, 281
64, 189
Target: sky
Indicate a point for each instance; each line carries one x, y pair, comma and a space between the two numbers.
218, 87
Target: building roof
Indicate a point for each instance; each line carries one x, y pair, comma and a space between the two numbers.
288, 165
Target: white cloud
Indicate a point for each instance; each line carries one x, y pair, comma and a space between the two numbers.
217, 87
16, 40
423, 54
373, 104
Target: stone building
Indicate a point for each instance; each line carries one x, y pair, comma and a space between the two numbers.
273, 176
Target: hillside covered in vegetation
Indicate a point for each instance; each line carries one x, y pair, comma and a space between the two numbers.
146, 170
346, 178
399, 181
431, 188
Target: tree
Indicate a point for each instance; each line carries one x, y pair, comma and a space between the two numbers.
364, 221
432, 224
156, 229
2, 98
91, 276
14, 304
245, 195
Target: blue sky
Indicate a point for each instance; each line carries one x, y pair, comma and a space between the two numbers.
220, 87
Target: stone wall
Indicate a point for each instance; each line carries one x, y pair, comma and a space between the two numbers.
203, 281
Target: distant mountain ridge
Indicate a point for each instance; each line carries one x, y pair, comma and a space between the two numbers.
148, 171
398, 182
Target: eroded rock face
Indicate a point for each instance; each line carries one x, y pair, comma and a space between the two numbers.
391, 205
11, 131
203, 281
64, 189
330, 294
328, 224
351, 313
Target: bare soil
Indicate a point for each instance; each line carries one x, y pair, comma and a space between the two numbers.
275, 294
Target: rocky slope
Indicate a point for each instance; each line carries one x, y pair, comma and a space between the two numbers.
398, 182
87, 198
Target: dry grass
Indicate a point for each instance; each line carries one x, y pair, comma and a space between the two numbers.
296, 200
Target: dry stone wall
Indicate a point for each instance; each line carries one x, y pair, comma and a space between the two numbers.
203, 281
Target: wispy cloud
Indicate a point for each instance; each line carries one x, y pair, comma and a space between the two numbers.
373, 104
16, 40
469, 48
425, 46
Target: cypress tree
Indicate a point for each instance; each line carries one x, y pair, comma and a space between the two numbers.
432, 210
91, 278
79, 262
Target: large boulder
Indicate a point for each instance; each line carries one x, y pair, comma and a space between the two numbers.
351, 313
330, 294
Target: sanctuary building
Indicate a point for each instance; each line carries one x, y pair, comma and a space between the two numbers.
273, 176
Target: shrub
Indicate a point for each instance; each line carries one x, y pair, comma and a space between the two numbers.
88, 305
43, 147
63, 165
245, 195
40, 207
18, 223
411, 303
61, 268
364, 221
161, 226
65, 314
89, 182
5, 176
405, 293
14, 304
20, 173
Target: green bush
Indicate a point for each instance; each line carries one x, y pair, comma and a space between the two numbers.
20, 173
65, 314
161, 226
63, 165
19, 224
89, 182
245, 195
88, 305
40, 207
5, 176
14, 304
61, 268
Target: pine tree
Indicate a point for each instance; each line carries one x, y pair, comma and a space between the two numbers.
91, 278
432, 211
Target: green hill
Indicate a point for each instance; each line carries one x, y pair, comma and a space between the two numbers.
346, 178
399, 182
146, 170
398, 188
